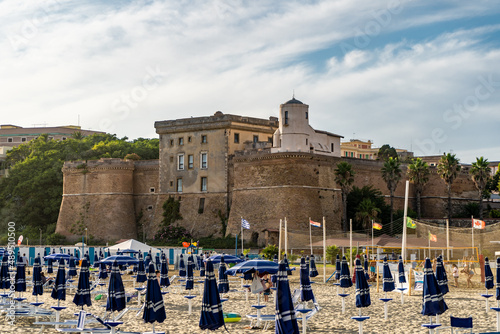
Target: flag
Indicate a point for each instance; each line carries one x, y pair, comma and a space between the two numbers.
313, 223
433, 237
245, 224
476, 223
410, 223
377, 226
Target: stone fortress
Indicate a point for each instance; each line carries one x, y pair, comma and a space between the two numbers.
230, 166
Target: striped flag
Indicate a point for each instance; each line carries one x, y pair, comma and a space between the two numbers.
433, 237
377, 226
245, 224
313, 223
476, 223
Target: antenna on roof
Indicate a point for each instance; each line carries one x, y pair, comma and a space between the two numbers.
293, 94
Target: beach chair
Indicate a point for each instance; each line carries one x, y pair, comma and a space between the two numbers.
460, 325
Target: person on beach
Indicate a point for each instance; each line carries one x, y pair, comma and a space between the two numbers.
267, 287
469, 273
158, 276
472, 266
455, 274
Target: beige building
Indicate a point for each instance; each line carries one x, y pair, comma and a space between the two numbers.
296, 135
362, 149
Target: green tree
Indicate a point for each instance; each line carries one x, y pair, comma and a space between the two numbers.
480, 173
418, 174
448, 168
331, 253
391, 173
344, 176
171, 211
366, 212
269, 252
357, 195
385, 152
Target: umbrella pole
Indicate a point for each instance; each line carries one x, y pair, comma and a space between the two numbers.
385, 306
360, 323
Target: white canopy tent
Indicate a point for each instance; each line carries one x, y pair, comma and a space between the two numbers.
135, 245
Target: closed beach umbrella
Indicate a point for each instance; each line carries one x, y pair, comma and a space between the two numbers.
182, 267
275, 259
59, 289
288, 271
432, 298
211, 308
141, 271
164, 281
157, 261
50, 270
101, 255
306, 293
147, 261
488, 275
362, 288
202, 268
4, 273
154, 309
223, 286
345, 275
189, 273
401, 271
103, 272
116, 292
498, 279
72, 268
82, 295
313, 272
37, 278
96, 260
337, 268
387, 280
442, 279
20, 276
286, 321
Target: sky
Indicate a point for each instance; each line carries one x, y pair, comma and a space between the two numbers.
418, 75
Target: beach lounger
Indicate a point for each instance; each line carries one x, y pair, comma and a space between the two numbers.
266, 319
461, 325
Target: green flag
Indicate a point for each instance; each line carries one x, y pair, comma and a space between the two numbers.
410, 223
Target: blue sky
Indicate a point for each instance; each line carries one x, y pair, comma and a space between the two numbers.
412, 74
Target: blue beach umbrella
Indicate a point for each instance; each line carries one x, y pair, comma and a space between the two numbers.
154, 309
157, 261
141, 271
116, 292
103, 272
362, 288
223, 286
488, 275
262, 266
50, 270
387, 280
58, 256
59, 289
286, 321
432, 298
20, 276
37, 278
275, 259
442, 279
147, 260
306, 293
498, 279
4, 273
127, 251
82, 295
313, 272
121, 260
189, 273
101, 255
345, 275
96, 260
202, 268
227, 258
182, 267
211, 308
72, 268
288, 271
337, 268
401, 271
164, 281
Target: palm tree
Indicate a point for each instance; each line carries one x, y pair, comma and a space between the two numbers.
448, 168
366, 212
418, 174
344, 176
481, 173
391, 173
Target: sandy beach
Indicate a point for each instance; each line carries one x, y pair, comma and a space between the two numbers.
462, 302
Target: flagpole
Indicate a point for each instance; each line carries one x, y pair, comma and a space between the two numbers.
324, 250
279, 242
405, 214
429, 237
472, 221
350, 243
447, 240
372, 237
241, 234
286, 237
310, 236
